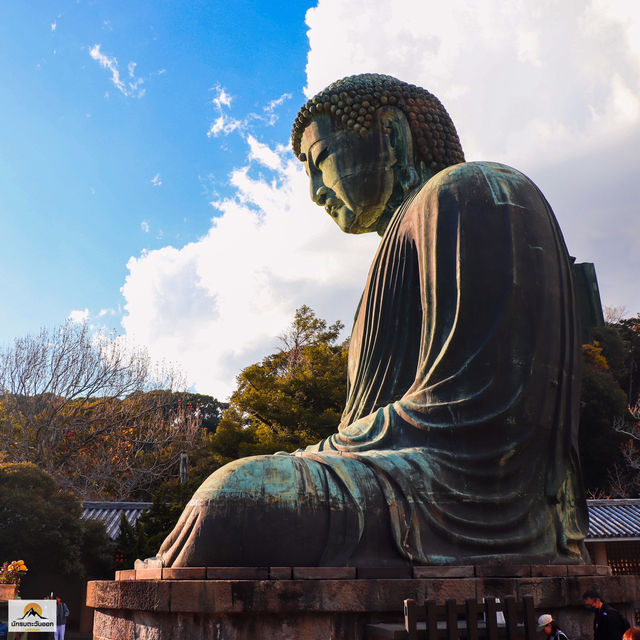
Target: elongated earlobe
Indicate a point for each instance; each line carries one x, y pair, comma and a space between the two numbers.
396, 128
408, 178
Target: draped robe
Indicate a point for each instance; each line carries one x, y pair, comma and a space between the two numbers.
458, 442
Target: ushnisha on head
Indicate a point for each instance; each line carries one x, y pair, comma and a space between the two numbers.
353, 101
366, 142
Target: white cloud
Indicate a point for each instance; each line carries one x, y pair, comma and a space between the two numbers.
131, 88
529, 47
544, 86
54, 25
144, 225
156, 181
218, 304
265, 155
79, 315
225, 123
277, 102
269, 112
108, 63
222, 99
500, 68
551, 88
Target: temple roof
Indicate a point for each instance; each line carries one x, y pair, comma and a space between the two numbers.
614, 519
109, 513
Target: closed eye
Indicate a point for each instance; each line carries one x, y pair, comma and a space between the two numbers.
321, 156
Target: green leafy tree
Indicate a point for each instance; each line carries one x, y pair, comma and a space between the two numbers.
610, 416
41, 525
291, 398
602, 401
208, 408
144, 538
128, 545
96, 551
629, 331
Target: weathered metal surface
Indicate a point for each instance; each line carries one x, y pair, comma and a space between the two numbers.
458, 442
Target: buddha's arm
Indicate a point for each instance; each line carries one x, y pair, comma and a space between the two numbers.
492, 276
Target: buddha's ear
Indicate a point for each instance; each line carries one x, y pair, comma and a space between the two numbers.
396, 127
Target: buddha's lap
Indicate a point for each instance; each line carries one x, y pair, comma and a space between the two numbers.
257, 510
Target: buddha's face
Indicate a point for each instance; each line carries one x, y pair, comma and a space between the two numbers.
351, 175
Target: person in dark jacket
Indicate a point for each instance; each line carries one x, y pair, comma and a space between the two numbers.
608, 623
62, 611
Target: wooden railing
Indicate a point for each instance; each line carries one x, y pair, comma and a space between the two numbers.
494, 619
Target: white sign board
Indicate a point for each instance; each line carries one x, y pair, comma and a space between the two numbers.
32, 615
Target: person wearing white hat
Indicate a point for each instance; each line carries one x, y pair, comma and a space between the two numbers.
547, 624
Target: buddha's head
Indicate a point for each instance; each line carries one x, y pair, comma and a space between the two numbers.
366, 142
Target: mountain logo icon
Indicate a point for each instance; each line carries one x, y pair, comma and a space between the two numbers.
32, 611
31, 615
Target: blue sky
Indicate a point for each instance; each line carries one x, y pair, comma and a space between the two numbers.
146, 184
79, 154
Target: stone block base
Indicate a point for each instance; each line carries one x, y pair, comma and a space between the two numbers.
307, 605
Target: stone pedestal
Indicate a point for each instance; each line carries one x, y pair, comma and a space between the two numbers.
283, 603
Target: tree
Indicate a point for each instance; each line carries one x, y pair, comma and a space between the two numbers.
208, 408
629, 330
291, 398
602, 401
295, 397
130, 458
41, 525
144, 538
93, 411
609, 422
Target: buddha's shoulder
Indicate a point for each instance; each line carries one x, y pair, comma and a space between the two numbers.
483, 180
475, 173
455, 188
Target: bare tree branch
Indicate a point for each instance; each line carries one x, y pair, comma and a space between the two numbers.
93, 411
613, 315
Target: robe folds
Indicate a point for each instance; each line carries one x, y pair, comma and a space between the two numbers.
458, 442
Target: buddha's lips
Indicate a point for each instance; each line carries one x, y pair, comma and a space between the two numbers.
332, 206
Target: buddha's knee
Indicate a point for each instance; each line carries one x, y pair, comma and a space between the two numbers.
248, 479
264, 509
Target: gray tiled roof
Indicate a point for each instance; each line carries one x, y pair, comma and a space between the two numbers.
109, 513
614, 519
608, 519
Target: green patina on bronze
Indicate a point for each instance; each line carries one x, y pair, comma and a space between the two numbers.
458, 441
352, 102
